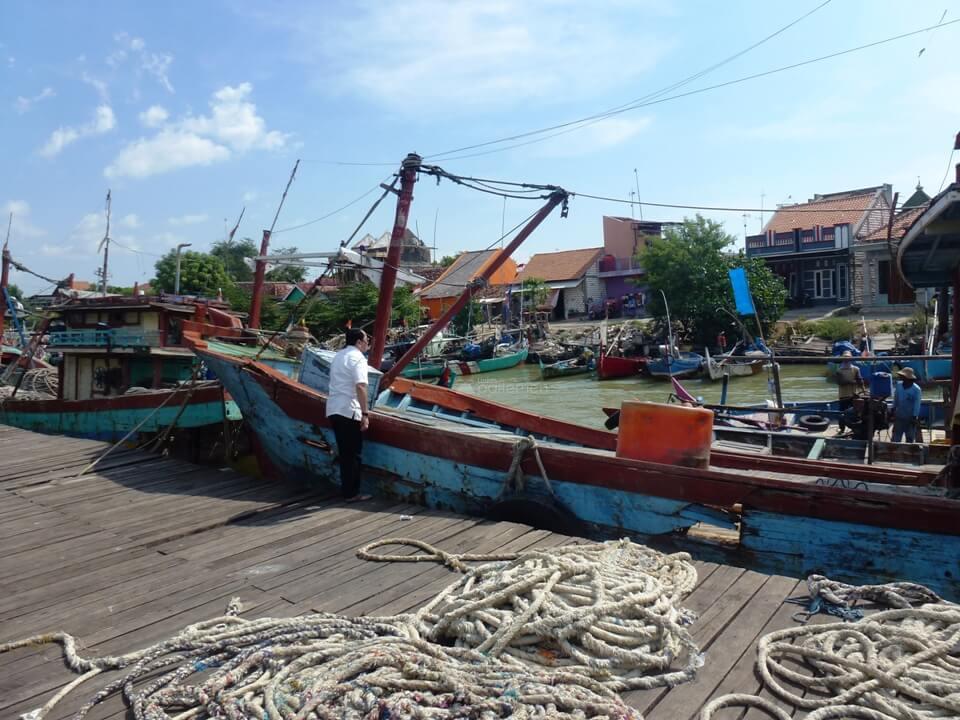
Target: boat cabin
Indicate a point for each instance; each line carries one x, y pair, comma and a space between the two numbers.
109, 345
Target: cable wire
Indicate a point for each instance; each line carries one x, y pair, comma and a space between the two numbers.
338, 210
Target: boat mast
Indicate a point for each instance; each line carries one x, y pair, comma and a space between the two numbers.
5, 277
557, 197
261, 265
669, 333
408, 176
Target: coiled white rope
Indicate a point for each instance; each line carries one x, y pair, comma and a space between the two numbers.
549, 634
901, 664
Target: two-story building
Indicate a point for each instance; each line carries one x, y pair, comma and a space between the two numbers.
621, 271
809, 244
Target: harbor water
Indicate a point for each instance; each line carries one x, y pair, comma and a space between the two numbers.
581, 398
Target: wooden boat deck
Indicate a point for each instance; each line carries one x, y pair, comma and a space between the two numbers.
130, 553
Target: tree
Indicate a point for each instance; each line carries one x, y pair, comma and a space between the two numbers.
233, 254
357, 302
447, 260
287, 273
200, 274
690, 266
536, 292
13, 290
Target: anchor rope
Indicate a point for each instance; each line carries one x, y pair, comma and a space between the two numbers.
515, 479
898, 664
554, 633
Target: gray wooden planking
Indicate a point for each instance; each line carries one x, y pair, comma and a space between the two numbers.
142, 546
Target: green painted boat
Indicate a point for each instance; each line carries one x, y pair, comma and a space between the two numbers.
565, 368
501, 362
420, 371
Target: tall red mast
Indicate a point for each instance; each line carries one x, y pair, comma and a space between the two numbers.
408, 176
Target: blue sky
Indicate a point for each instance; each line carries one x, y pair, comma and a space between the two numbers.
190, 111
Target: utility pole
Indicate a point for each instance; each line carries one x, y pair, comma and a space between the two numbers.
105, 246
261, 266
176, 281
5, 276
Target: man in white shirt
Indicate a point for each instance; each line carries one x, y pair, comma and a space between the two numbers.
348, 411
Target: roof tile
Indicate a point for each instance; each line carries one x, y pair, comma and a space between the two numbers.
826, 213
558, 266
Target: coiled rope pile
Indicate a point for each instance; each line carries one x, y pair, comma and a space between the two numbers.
543, 634
900, 664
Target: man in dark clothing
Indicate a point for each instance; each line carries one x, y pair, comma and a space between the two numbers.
348, 410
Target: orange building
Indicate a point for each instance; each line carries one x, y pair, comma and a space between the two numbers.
443, 292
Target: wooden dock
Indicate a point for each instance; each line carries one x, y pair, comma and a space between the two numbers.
132, 552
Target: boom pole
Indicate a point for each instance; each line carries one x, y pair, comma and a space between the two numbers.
557, 197
408, 176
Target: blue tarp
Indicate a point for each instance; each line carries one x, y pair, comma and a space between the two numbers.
741, 292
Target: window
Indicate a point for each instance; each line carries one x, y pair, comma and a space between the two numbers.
792, 285
818, 283
842, 281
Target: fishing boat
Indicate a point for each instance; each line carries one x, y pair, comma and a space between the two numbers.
428, 368
123, 372
675, 365
446, 449
504, 357
565, 368
611, 366
731, 366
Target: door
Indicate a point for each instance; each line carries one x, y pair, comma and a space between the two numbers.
883, 282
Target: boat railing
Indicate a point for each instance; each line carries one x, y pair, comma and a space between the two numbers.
105, 338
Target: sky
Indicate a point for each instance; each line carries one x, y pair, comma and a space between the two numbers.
190, 112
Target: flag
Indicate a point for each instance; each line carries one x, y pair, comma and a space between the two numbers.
741, 292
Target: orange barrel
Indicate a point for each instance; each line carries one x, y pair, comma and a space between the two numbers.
670, 434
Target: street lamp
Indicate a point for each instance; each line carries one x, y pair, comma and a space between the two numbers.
176, 282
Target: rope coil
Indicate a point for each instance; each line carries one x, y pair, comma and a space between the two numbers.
603, 615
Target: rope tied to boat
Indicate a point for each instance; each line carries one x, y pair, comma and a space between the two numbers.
898, 664
597, 620
516, 482
840, 599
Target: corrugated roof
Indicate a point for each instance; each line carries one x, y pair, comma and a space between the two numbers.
455, 278
563, 265
836, 209
901, 223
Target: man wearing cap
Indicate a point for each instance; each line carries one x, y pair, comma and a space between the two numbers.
906, 406
850, 380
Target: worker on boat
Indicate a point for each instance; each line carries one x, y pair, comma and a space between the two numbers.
348, 410
849, 380
906, 406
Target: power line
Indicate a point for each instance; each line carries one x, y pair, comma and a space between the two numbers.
567, 126
113, 241
338, 210
584, 122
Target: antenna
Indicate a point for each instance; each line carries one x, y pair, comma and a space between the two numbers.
105, 246
636, 179
10, 224
436, 216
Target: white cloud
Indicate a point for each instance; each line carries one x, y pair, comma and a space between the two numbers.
250, 196
166, 151
595, 137
233, 120
55, 250
99, 85
187, 220
233, 125
154, 116
155, 64
23, 104
88, 233
129, 221
21, 226
103, 122
463, 55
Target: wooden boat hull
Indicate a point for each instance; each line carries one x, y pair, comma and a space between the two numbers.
504, 362
449, 450
423, 371
564, 368
686, 366
609, 367
111, 418
716, 370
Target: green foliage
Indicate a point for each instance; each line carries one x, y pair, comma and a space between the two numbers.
470, 315
232, 255
200, 274
447, 260
835, 328
14, 291
690, 266
287, 273
536, 292
357, 303
273, 314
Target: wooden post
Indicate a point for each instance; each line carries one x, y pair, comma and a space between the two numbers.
725, 382
388, 276
4, 282
261, 270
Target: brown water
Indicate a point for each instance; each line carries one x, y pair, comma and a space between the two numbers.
580, 398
